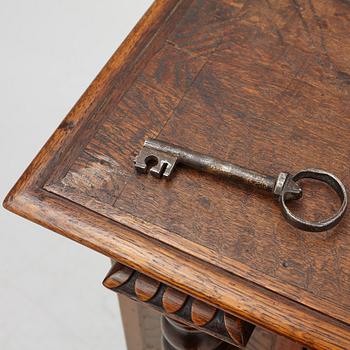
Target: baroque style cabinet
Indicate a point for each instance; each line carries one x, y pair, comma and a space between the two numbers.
208, 263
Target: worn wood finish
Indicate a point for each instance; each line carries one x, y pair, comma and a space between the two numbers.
192, 312
261, 83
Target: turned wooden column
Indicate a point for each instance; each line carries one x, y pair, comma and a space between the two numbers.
184, 323
179, 336
189, 319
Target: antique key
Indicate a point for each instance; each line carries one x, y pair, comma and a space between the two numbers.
164, 156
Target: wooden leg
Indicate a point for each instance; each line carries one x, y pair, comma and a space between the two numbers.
141, 325
178, 336
146, 329
183, 308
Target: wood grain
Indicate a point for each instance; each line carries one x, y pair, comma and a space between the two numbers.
232, 293
228, 97
202, 313
146, 288
261, 83
173, 300
122, 274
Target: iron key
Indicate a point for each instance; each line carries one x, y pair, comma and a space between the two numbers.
165, 156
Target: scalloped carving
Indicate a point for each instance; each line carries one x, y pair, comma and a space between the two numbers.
173, 300
182, 307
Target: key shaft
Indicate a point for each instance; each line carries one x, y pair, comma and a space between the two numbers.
213, 165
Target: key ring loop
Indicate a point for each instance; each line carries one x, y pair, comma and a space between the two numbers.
326, 224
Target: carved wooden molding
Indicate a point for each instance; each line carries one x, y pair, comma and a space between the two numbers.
178, 305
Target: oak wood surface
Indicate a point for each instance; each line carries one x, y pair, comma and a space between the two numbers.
261, 83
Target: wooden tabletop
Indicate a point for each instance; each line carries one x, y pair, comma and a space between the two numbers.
264, 84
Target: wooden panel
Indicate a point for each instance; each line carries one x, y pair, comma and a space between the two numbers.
203, 27
255, 87
264, 84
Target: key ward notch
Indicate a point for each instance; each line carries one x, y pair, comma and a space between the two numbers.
157, 163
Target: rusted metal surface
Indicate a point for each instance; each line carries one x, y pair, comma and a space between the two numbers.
160, 159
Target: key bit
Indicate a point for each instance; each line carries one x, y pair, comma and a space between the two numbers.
164, 163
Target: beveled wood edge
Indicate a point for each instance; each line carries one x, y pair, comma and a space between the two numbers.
178, 305
203, 253
233, 294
